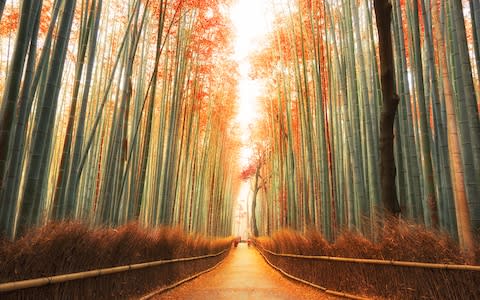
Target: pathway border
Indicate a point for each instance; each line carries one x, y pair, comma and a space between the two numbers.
38, 282
174, 285
323, 289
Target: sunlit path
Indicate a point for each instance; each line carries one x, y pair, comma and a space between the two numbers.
243, 275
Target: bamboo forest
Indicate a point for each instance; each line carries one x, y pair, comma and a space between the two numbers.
172, 131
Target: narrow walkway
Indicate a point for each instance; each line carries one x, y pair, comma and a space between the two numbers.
243, 275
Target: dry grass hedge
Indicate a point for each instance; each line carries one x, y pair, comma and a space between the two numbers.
400, 241
62, 248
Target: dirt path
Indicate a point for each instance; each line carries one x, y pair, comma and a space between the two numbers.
243, 275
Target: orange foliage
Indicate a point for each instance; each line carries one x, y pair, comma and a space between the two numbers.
9, 21
248, 172
46, 16
11, 17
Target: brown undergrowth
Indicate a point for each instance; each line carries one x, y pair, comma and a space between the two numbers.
401, 241
62, 248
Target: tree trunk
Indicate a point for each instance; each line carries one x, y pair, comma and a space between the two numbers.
254, 203
383, 12
254, 218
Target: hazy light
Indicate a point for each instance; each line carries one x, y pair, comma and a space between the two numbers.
252, 20
240, 220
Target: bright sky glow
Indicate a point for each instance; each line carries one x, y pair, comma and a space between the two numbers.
252, 20
240, 214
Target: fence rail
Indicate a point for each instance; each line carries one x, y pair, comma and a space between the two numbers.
38, 282
378, 261
174, 285
324, 289
348, 277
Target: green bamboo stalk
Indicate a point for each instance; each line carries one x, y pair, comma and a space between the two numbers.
75, 179
468, 106
145, 155
29, 207
414, 207
428, 177
440, 149
371, 174
14, 79
61, 208
8, 191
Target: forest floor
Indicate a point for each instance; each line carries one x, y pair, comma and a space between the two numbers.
243, 275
